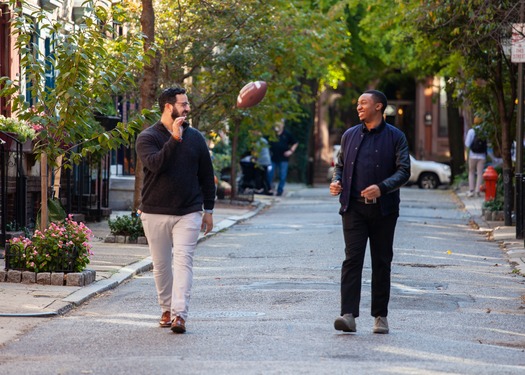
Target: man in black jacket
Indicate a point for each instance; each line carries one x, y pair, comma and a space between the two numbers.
281, 151
178, 186
373, 164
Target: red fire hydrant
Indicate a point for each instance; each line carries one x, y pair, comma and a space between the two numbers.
491, 177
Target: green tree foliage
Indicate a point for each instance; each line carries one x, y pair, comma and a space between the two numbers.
472, 36
214, 48
91, 64
463, 41
378, 51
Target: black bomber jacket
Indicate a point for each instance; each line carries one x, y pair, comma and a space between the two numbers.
392, 164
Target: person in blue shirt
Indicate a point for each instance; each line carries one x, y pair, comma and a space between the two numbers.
373, 164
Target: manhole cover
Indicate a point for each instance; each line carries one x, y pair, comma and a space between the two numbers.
287, 285
226, 314
419, 288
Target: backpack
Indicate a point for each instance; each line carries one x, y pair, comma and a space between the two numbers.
478, 145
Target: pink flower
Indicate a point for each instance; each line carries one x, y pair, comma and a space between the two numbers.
37, 127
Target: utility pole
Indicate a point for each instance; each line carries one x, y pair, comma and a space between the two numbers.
520, 183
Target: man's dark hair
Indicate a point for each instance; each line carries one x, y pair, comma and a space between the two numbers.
379, 97
170, 96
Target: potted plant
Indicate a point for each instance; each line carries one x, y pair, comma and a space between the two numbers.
13, 129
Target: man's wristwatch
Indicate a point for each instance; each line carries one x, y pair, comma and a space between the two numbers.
208, 211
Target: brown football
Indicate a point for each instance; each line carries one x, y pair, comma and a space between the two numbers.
251, 94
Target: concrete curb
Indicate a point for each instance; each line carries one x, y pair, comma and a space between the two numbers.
505, 236
84, 294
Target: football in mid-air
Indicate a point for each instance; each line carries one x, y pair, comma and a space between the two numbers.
251, 94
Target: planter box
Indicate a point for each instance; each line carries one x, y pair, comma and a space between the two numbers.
83, 278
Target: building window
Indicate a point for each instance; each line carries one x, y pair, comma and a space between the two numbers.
29, 83
50, 69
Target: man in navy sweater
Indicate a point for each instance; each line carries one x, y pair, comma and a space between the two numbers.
373, 164
178, 197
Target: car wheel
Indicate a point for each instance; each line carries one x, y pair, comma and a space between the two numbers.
428, 180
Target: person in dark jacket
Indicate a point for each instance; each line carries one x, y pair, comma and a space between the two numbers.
281, 150
178, 196
373, 164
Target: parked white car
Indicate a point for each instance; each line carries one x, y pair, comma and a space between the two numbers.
428, 174
334, 160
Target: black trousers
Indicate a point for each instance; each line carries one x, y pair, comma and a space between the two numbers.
363, 222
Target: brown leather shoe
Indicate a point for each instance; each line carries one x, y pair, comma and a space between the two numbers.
165, 320
178, 325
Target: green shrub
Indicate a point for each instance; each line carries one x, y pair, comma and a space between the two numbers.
498, 202
129, 225
494, 205
62, 247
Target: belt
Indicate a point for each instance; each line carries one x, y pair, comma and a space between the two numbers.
365, 201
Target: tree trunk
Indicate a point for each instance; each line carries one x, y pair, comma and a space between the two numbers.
315, 149
148, 86
57, 174
235, 142
505, 112
43, 189
455, 134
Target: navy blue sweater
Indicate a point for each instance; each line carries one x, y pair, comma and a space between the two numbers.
178, 176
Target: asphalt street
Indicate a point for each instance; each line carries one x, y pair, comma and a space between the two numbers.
266, 293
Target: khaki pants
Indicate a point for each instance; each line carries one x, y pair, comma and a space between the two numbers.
172, 241
475, 174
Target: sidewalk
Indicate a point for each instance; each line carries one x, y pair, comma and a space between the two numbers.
114, 263
496, 231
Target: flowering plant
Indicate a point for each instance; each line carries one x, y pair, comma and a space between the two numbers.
22, 129
61, 247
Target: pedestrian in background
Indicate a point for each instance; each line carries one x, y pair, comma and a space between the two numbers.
477, 156
372, 165
263, 166
281, 150
178, 186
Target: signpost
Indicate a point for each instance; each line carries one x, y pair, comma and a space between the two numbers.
518, 43
518, 56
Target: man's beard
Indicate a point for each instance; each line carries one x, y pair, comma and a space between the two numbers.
175, 113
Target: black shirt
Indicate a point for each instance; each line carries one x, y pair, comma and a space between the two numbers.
364, 163
283, 144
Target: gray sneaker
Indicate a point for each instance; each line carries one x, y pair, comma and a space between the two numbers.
345, 323
380, 324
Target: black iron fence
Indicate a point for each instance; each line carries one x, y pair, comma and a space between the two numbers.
84, 188
13, 186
